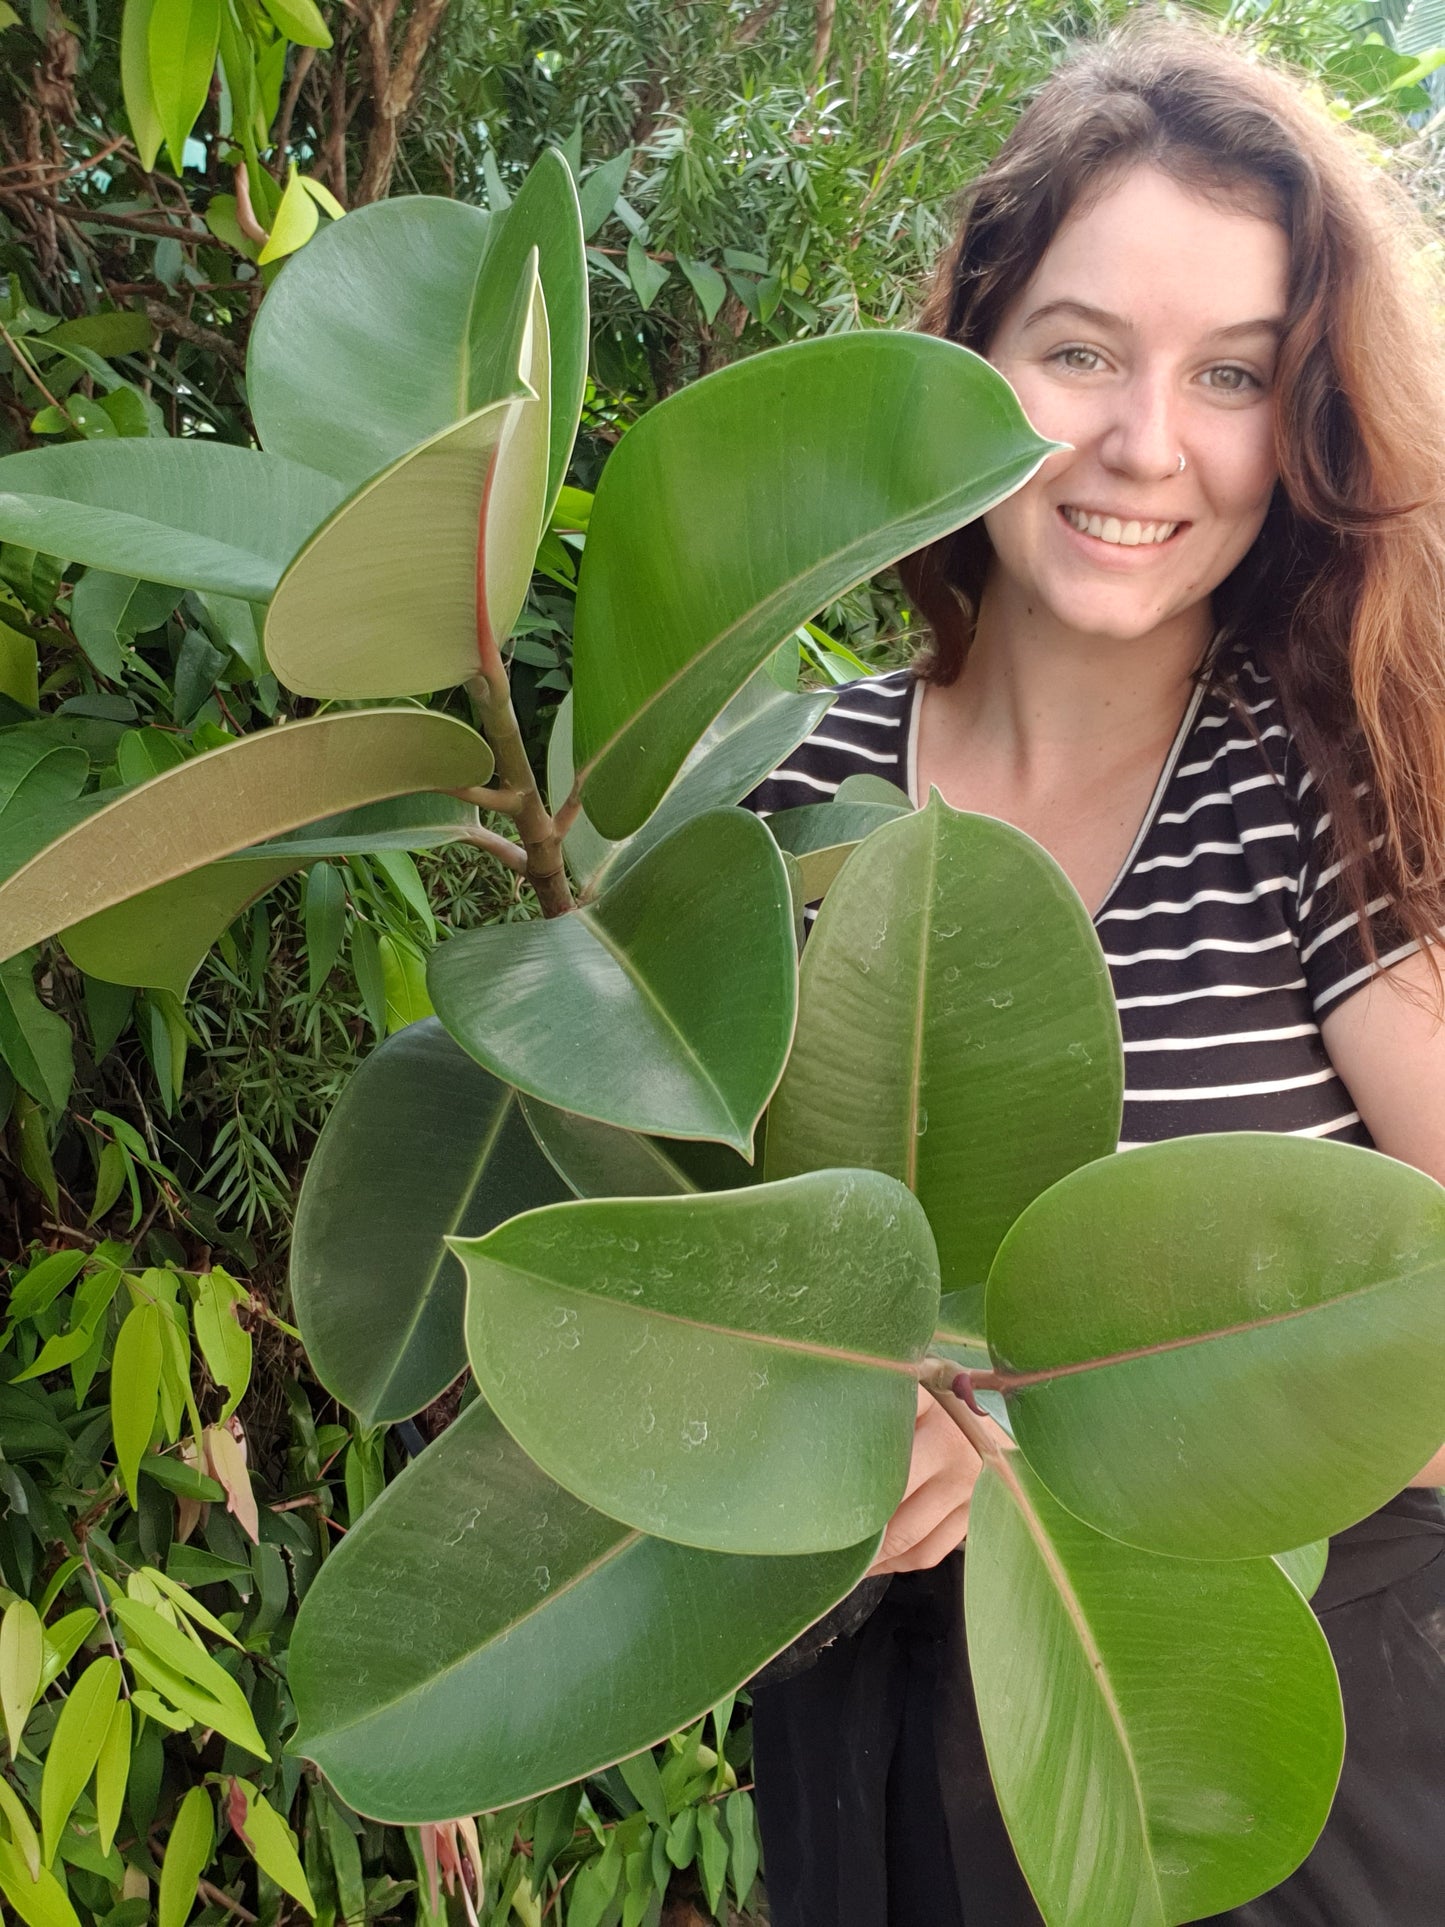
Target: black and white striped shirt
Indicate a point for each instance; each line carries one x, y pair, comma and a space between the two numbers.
1225, 935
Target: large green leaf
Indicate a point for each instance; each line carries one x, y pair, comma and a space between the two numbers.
1164, 1734
327, 382
392, 596
735, 1369
423, 1143
156, 940
546, 1641
666, 1006
602, 1161
196, 514
1221, 1346
216, 804
957, 1029
544, 215
759, 728
738, 507
359, 351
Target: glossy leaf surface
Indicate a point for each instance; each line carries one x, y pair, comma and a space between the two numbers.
196, 514
957, 1029
324, 377
1187, 1335
735, 1370
554, 1641
666, 1006
386, 597
759, 728
422, 1143
222, 801
1164, 1734
739, 506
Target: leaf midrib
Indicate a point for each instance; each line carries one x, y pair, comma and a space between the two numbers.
758, 611
866, 1360
1008, 1381
1093, 1657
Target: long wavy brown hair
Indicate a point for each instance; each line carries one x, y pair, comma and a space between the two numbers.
1342, 596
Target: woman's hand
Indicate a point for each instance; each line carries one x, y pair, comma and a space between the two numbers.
933, 1517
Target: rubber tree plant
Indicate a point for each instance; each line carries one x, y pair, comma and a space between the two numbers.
700, 1218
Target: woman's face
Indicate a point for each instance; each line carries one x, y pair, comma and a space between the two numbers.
1149, 330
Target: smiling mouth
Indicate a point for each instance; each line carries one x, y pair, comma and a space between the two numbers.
1109, 528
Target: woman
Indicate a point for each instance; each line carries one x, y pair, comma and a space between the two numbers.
1199, 658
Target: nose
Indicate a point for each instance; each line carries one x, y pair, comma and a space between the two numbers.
1142, 440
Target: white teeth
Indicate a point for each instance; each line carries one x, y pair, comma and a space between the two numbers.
1108, 528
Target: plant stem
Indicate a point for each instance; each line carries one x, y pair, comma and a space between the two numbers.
501, 847
938, 1376
540, 840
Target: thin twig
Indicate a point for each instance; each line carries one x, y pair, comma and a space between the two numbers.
219, 1899
104, 1611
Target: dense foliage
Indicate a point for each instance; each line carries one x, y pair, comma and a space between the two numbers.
747, 176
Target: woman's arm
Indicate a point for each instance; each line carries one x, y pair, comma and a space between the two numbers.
1388, 1045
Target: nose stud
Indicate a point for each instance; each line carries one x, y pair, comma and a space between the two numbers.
1181, 467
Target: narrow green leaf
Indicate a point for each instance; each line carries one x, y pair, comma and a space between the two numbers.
135, 75
22, 1651
300, 21
403, 973
707, 284
743, 1834
187, 1855
112, 1770
325, 924
644, 1783
225, 1345
273, 1846
39, 1903
34, 1041
75, 1746
181, 39
135, 1383
22, 1829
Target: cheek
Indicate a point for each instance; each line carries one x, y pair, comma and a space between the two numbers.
1243, 471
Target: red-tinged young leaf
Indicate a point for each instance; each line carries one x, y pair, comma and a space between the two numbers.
227, 1461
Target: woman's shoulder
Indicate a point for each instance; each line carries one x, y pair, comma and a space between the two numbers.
865, 731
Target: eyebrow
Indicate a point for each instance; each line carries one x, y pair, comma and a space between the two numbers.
1101, 318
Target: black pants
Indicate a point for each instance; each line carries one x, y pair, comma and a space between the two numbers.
877, 1810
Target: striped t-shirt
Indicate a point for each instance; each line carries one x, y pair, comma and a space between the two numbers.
1225, 934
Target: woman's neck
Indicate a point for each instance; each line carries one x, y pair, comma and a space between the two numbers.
1040, 704
1060, 734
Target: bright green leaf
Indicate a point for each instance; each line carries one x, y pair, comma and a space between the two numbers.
187, 1855
22, 1649
135, 1383
75, 1746
181, 40
296, 221
112, 1770
135, 71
